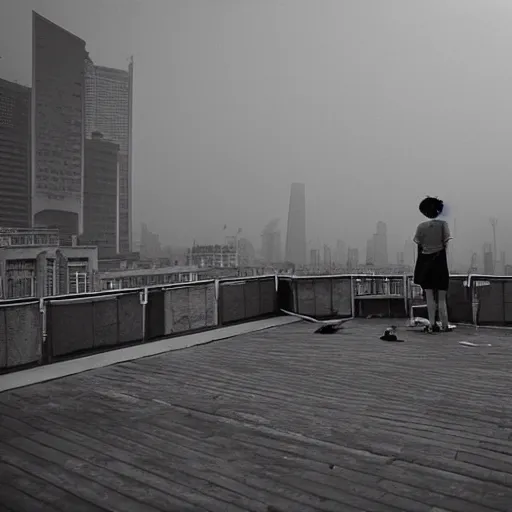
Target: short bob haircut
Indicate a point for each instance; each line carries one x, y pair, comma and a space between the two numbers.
431, 207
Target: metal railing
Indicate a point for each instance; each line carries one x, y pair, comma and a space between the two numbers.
40, 331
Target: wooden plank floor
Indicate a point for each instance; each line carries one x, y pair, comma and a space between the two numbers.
279, 420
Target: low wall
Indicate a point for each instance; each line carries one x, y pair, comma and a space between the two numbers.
20, 334
91, 323
40, 332
247, 299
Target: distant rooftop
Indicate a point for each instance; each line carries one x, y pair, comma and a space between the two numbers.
29, 237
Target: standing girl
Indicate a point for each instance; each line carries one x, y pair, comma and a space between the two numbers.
431, 271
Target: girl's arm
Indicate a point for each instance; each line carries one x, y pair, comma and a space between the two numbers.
446, 234
418, 238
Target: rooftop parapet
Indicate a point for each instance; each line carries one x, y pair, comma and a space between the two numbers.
43, 331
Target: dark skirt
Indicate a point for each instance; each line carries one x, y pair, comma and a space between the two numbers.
431, 271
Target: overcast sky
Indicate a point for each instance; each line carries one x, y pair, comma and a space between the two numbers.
371, 103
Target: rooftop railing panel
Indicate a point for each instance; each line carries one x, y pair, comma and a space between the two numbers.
41, 331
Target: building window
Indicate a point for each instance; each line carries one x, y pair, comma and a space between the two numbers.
78, 277
50, 288
20, 279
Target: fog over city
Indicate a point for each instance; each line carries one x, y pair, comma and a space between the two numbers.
372, 105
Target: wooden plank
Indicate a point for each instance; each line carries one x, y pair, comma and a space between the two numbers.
284, 418
18, 501
43, 492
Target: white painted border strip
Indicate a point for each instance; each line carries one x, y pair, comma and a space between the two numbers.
65, 368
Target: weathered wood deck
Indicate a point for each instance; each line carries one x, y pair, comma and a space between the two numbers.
278, 420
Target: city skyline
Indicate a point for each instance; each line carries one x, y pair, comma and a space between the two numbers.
49, 127
325, 203
344, 139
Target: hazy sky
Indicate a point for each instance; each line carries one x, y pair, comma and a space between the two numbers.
371, 103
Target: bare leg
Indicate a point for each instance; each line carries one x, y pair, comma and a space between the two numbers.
443, 309
431, 306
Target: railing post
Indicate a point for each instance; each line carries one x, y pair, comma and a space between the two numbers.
143, 298
45, 356
406, 294
216, 315
352, 296
475, 302
276, 301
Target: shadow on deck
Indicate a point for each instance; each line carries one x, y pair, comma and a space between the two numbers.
282, 418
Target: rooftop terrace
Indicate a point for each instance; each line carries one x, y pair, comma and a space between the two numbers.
278, 420
281, 419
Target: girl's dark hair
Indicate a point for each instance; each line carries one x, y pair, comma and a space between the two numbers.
431, 207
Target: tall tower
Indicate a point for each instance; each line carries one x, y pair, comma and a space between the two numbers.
381, 245
108, 102
14, 155
296, 230
57, 119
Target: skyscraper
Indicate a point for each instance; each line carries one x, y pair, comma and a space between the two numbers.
101, 190
380, 245
314, 258
488, 259
410, 250
341, 253
108, 109
57, 127
296, 230
370, 251
327, 256
15, 177
352, 259
271, 242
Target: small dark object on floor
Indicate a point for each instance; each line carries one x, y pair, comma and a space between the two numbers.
390, 335
328, 329
271, 508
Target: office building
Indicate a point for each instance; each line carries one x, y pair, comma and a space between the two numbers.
410, 250
341, 253
370, 251
213, 256
101, 189
57, 128
327, 256
32, 264
296, 230
108, 110
380, 245
271, 242
15, 179
488, 259
314, 258
150, 247
352, 259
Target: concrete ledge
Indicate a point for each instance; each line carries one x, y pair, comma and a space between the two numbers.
63, 369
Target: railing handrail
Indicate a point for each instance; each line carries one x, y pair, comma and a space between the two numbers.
348, 275
202, 282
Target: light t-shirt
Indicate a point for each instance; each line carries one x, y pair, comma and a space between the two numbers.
432, 235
